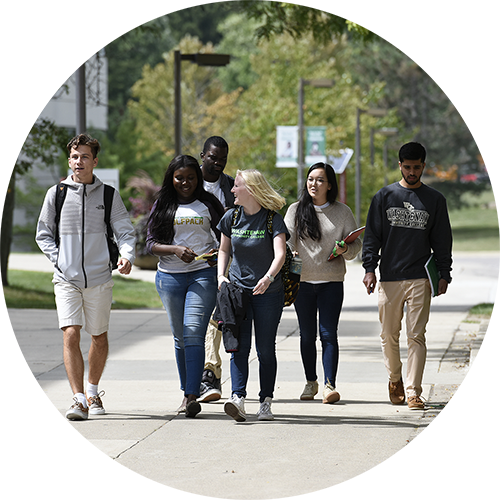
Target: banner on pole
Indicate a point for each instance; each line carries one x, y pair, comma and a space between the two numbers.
287, 146
315, 145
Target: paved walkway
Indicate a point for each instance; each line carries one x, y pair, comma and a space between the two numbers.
309, 446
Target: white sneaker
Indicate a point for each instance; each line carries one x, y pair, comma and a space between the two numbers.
77, 411
235, 408
264, 412
95, 404
310, 390
330, 394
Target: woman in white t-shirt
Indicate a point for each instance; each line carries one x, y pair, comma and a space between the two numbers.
181, 227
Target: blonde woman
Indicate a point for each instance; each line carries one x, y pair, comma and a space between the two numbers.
258, 257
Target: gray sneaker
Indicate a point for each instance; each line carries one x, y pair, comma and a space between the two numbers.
264, 412
235, 408
310, 390
77, 411
95, 404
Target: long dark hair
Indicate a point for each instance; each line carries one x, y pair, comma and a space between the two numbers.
161, 220
306, 219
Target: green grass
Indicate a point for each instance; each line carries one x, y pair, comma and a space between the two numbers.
482, 310
475, 228
34, 290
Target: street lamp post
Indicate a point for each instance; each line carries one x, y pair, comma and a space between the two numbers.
81, 108
386, 132
318, 83
200, 60
359, 112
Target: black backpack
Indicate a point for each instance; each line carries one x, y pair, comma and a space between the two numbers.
109, 192
291, 280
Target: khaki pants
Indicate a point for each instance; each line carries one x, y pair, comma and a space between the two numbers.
393, 295
213, 360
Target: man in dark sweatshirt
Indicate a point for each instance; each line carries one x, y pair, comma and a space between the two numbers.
406, 223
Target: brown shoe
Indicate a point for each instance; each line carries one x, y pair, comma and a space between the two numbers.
415, 403
397, 392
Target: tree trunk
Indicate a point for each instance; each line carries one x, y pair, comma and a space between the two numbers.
6, 231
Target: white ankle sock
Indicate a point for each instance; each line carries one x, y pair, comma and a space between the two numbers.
81, 398
92, 390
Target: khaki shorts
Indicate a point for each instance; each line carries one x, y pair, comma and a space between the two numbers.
73, 304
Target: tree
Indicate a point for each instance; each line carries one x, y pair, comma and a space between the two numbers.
426, 115
126, 56
298, 21
45, 149
206, 108
273, 98
241, 42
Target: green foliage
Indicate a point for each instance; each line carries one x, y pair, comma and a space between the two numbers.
126, 56
426, 114
459, 194
45, 144
200, 21
483, 310
279, 64
240, 42
204, 104
34, 290
280, 18
45, 147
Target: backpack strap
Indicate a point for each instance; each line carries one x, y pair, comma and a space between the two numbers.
270, 215
235, 215
60, 197
109, 192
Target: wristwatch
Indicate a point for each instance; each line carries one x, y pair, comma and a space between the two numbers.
271, 277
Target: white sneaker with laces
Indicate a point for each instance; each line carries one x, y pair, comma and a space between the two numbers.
235, 408
95, 404
77, 411
264, 412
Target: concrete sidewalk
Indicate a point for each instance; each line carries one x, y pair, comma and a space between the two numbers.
309, 446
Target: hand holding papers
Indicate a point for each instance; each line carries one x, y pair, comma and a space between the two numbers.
348, 239
207, 256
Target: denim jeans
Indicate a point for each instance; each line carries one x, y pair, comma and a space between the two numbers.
327, 298
264, 311
189, 299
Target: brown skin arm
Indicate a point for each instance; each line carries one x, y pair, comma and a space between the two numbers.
370, 281
442, 286
184, 253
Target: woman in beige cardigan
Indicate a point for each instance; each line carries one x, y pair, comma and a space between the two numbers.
317, 223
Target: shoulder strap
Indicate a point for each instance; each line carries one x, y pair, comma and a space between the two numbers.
109, 192
270, 215
60, 197
235, 215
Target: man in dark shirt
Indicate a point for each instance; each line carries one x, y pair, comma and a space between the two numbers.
406, 223
214, 159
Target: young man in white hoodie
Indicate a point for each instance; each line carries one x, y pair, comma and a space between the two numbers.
77, 246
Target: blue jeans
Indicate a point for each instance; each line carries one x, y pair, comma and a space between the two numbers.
327, 298
265, 312
189, 299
